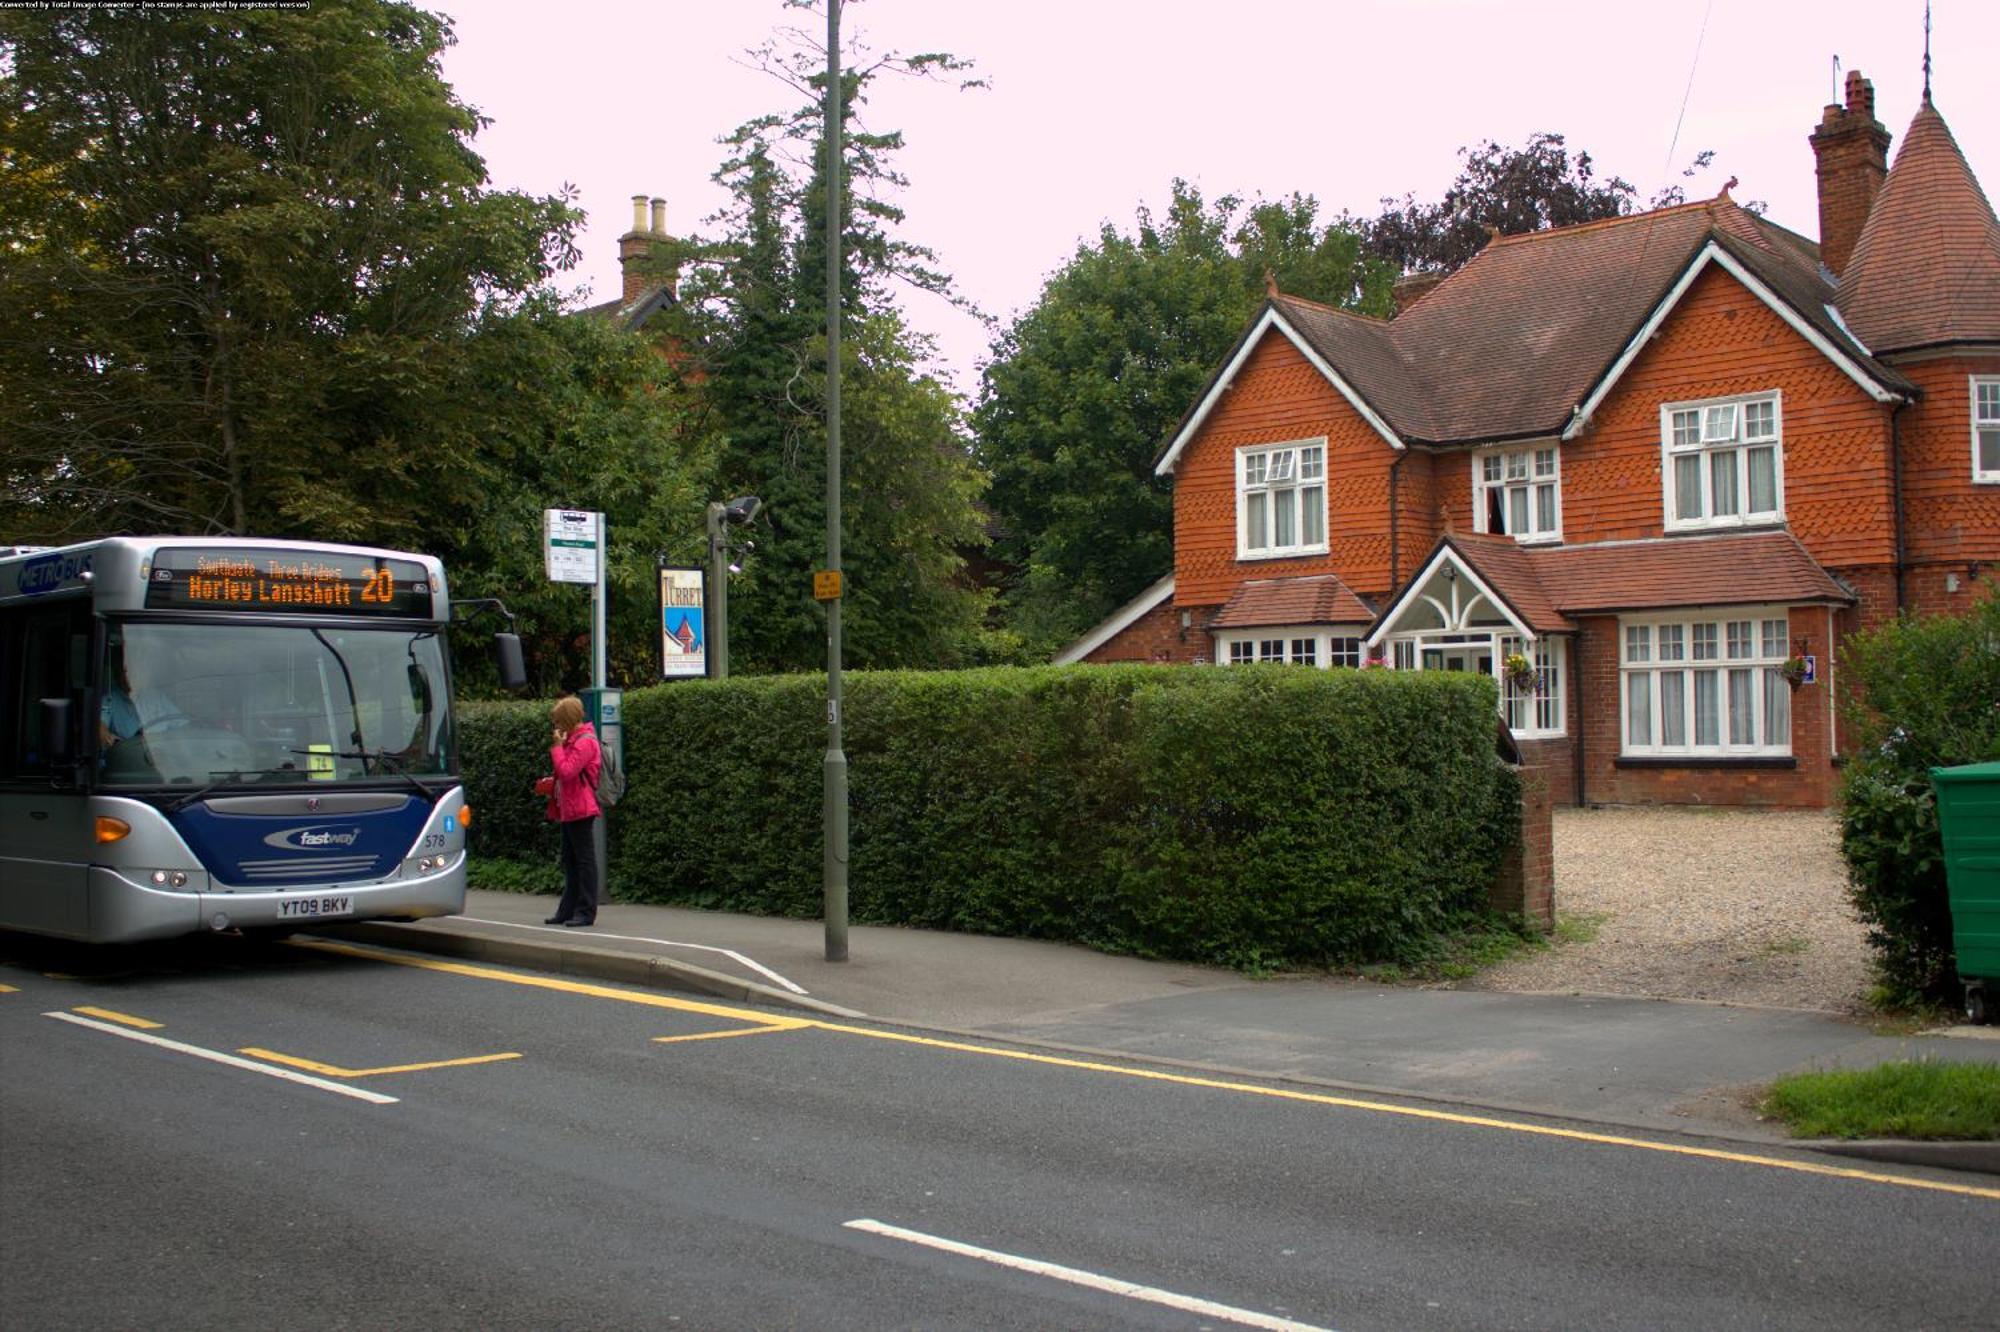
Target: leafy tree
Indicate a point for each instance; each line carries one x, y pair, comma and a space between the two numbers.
1084, 389
569, 411
242, 248
754, 317
1511, 190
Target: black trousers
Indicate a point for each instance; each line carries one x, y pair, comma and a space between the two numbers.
579, 867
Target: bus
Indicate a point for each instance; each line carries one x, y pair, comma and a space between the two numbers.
226, 734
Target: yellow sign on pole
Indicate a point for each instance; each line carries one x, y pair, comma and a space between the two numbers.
826, 585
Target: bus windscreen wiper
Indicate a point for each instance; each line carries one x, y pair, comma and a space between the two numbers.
219, 778
384, 757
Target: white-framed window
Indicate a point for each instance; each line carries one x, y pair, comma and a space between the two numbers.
1292, 647
1281, 500
1707, 684
1537, 709
1519, 492
1986, 428
1531, 710
1723, 462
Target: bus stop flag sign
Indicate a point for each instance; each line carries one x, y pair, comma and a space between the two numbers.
569, 545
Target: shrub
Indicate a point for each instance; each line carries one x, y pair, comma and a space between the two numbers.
1930, 698
1253, 816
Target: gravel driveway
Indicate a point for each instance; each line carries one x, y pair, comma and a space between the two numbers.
1737, 906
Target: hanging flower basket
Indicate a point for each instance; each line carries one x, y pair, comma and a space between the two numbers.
1521, 672
1794, 671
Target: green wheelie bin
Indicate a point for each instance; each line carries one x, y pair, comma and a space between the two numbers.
1968, 801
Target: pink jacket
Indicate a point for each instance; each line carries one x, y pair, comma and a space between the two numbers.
577, 761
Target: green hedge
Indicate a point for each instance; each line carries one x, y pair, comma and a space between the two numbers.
1250, 816
1931, 699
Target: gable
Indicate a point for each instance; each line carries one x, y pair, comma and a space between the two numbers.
1822, 334
1270, 323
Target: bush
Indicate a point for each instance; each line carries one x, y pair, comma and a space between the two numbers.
1930, 698
1254, 816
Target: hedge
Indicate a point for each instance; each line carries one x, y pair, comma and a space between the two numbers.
1251, 816
1929, 697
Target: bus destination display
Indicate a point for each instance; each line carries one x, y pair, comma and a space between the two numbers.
292, 582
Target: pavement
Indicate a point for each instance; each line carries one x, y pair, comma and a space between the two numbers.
1646, 1064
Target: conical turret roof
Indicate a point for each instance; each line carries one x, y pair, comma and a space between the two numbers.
1926, 270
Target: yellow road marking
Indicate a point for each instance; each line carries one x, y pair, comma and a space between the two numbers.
740, 1031
126, 1018
589, 988
10, 989
335, 1071
1156, 1075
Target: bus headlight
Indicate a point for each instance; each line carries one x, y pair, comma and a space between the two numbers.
169, 878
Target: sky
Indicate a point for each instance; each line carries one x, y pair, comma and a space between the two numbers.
1095, 106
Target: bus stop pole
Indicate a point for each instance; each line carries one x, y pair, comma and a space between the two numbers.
599, 844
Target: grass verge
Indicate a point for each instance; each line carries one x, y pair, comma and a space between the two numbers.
1920, 1099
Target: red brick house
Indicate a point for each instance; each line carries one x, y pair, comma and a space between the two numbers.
1660, 457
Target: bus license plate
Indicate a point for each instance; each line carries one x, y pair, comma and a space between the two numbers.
318, 908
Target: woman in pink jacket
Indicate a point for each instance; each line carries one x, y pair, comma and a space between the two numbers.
573, 802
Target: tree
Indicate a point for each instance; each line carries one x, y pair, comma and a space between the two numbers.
1085, 387
242, 249
754, 317
562, 410
1511, 190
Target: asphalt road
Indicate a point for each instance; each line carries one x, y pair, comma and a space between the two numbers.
621, 1158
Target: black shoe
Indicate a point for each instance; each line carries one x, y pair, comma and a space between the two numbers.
578, 922
554, 920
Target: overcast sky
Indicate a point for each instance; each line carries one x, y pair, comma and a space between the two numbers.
1096, 105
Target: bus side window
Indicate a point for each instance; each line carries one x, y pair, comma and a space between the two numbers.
13, 624
54, 651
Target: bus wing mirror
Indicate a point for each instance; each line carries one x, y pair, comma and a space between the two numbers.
56, 747
507, 656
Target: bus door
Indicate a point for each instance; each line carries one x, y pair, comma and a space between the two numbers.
45, 829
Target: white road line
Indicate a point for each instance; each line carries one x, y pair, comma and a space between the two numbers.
729, 953
1151, 1294
373, 1098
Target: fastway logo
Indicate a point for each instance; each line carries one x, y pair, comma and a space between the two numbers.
312, 838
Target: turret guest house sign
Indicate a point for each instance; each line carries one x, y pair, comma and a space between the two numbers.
683, 624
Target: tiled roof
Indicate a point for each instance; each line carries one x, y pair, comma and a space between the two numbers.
1510, 344
1927, 267
1509, 568
1319, 599
1732, 569
1545, 587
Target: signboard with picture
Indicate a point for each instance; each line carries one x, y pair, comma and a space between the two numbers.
683, 623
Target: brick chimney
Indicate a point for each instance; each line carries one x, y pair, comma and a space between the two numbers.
1852, 148
635, 247
1413, 287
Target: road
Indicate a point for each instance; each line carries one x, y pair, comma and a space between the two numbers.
221, 1134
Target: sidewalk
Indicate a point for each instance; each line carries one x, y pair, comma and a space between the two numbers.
1640, 1063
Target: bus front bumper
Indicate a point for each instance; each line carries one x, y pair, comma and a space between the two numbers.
124, 910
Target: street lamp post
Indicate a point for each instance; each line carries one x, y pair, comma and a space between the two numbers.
834, 815
720, 517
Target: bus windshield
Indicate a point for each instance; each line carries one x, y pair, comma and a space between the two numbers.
196, 704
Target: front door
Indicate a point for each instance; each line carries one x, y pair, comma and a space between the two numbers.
1478, 659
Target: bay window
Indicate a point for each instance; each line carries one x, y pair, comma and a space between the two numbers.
1518, 492
1706, 685
1723, 462
1281, 500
